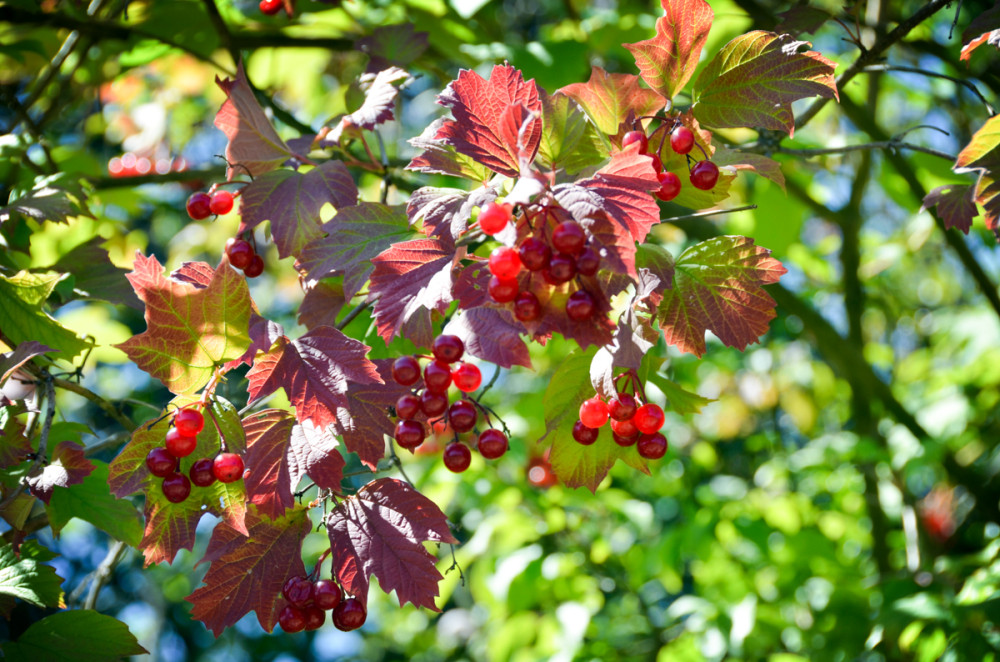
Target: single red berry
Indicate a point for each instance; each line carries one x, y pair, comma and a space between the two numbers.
227, 467
447, 349
291, 619
682, 140
467, 377
624, 441
179, 444
189, 422
349, 615
502, 291
255, 268
160, 462
271, 7
670, 186
457, 457
176, 487
625, 429
201, 472
594, 412
583, 434
568, 237
298, 591
494, 218
221, 203
580, 306
199, 206
652, 446
588, 262
315, 617
561, 268
406, 370
535, 254
636, 137
433, 404
622, 407
240, 252
649, 418
437, 376
704, 175
462, 416
409, 434
327, 594
505, 262
657, 163
407, 406
492, 444
527, 308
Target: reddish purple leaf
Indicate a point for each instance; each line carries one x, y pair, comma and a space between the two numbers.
801, 19
68, 466
953, 204
313, 451
392, 44
608, 98
379, 531
380, 90
24, 352
633, 338
982, 155
199, 274
321, 305
656, 273
984, 29
442, 159
254, 146
263, 334
15, 448
170, 527
668, 60
471, 285
365, 423
492, 335
446, 212
623, 187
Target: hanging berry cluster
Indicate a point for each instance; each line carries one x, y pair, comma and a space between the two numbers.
242, 254
309, 600
703, 174
634, 420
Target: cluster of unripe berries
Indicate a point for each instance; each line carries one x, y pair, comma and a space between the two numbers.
164, 461
309, 601
631, 423
432, 401
704, 174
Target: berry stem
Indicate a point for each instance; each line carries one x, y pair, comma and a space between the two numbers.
396, 462
218, 428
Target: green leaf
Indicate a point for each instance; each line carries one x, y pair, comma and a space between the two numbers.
93, 502
55, 199
679, 399
28, 577
22, 318
74, 636
569, 140
982, 154
982, 585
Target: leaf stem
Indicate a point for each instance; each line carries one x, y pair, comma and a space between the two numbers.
350, 317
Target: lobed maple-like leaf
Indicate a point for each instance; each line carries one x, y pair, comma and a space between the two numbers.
440, 158
247, 572
68, 466
623, 187
292, 202
254, 146
754, 79
717, 287
471, 286
489, 117
95, 276
365, 423
379, 531
668, 60
263, 334
656, 273
381, 90
984, 29
392, 44
170, 527
446, 212
634, 337
56, 198
190, 329
764, 166
492, 335
954, 204
608, 98
569, 141
982, 154
321, 305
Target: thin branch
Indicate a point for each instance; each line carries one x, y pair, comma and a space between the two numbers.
113, 441
874, 68
709, 212
105, 406
184, 176
222, 29
103, 573
350, 317
396, 461
884, 144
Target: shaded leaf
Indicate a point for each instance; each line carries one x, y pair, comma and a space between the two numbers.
569, 141
634, 337
263, 334
381, 90
78, 635
25, 575
656, 272
492, 335
21, 354
983, 29
15, 447
254, 146
953, 204
801, 19
982, 154
623, 187
608, 98
678, 398
365, 422
92, 501
764, 166
668, 60
392, 44
55, 199
22, 318
94, 275
68, 466
321, 305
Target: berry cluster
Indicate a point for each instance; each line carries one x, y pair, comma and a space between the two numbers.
243, 256
631, 423
309, 601
201, 205
703, 175
432, 401
164, 461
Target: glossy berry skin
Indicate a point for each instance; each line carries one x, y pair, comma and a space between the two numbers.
623, 441
622, 407
462, 416
227, 467
492, 444
625, 429
409, 434
652, 446
176, 487
467, 377
704, 175
494, 218
583, 434
433, 404
201, 472
349, 615
649, 418
160, 462
535, 254
568, 237
240, 252
636, 137
588, 262
457, 457
593, 412
298, 591
670, 186
255, 268
561, 269
315, 617
447, 348
199, 206
437, 376
291, 619
406, 370
503, 291
505, 262
327, 594
682, 140
221, 202
189, 422
271, 7
407, 406
179, 445
580, 306
527, 308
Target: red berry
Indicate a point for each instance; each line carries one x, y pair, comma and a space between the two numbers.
457, 457
240, 252
291, 619
255, 268
201, 472
409, 434
298, 591
433, 404
437, 376
652, 446
535, 254
199, 206
178, 444
447, 349
568, 237
494, 218
272, 7
221, 203
580, 306
176, 487
670, 186
504, 262
315, 617
527, 307
467, 377
561, 268
492, 444
622, 407
657, 163
588, 262
594, 412
227, 467
623, 441
625, 429
349, 615
407, 406
682, 140
502, 291
189, 422
648, 418
636, 137
462, 415
405, 370
160, 462
327, 594
583, 434
704, 175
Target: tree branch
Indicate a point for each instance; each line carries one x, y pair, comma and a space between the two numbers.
103, 573
874, 68
105, 406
